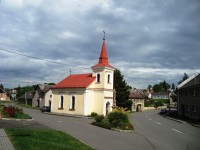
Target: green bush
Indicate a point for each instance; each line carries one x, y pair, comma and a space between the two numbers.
93, 114
116, 119
22, 116
99, 118
103, 125
15, 112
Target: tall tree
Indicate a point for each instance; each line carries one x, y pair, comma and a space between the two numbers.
122, 90
161, 87
173, 87
185, 77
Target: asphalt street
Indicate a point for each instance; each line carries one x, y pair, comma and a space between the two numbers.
165, 134
152, 131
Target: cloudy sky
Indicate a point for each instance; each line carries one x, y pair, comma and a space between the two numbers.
147, 40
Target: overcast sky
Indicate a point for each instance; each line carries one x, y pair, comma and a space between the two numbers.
147, 40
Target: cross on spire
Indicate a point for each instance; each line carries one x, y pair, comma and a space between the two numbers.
104, 35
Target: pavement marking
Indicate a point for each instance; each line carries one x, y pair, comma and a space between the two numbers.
158, 122
177, 130
60, 121
150, 119
146, 115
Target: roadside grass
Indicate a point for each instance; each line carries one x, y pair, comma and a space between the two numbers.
23, 139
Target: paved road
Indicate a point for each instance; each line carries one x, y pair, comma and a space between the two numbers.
166, 134
151, 132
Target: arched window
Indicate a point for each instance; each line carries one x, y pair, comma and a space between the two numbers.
98, 77
108, 78
61, 101
73, 102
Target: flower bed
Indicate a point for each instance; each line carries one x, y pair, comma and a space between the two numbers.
118, 119
13, 112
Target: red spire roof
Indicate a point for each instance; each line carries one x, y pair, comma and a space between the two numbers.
103, 59
75, 81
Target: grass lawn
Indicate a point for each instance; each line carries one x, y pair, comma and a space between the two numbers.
24, 139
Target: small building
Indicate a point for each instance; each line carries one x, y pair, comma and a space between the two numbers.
4, 96
189, 97
160, 95
39, 95
82, 94
26, 98
137, 99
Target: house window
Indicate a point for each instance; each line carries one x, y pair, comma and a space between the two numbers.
108, 78
194, 108
72, 103
98, 77
188, 93
61, 101
187, 108
194, 92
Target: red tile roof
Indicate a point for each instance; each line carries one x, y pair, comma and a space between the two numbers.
136, 94
75, 81
103, 59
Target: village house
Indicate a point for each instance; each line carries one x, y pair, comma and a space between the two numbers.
42, 95
4, 95
189, 97
82, 94
137, 99
160, 95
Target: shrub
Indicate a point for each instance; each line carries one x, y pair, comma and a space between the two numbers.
99, 118
93, 114
13, 111
22, 116
103, 125
117, 119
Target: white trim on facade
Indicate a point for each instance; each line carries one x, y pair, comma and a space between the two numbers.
85, 102
71, 96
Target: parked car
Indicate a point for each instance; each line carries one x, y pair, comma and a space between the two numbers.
45, 109
163, 111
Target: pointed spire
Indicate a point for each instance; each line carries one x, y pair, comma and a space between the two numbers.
103, 59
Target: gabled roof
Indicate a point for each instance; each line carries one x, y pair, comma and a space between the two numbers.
136, 94
29, 95
187, 82
43, 87
2, 90
75, 81
103, 59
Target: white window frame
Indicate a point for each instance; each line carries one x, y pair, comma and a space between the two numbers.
70, 107
99, 77
61, 95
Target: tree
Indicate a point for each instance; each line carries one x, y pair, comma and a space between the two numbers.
173, 87
158, 88
165, 86
1, 86
161, 87
185, 77
122, 91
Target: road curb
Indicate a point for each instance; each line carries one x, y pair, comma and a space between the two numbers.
180, 121
67, 115
17, 119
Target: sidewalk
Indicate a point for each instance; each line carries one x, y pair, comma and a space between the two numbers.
5, 143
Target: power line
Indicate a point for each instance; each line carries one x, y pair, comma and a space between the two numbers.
16, 53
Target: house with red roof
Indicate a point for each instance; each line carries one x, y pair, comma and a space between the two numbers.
82, 94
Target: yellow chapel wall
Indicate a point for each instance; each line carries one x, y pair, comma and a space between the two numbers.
67, 93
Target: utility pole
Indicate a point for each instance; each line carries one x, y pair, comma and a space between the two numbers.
25, 91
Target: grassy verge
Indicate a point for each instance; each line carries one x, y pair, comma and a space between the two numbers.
40, 140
